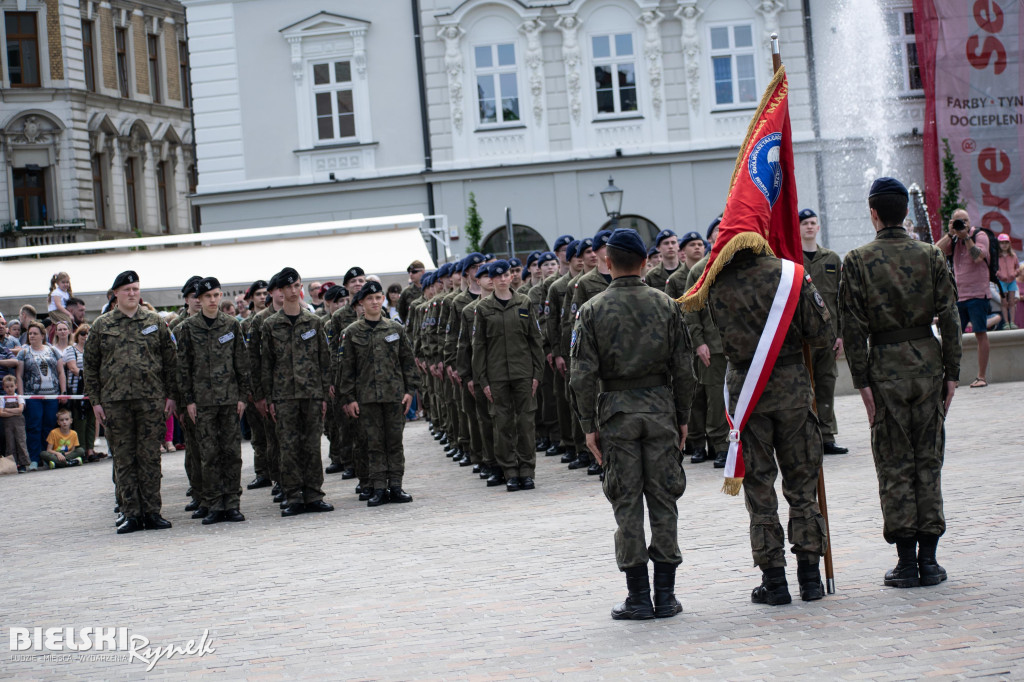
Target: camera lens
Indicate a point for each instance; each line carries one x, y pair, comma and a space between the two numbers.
959, 225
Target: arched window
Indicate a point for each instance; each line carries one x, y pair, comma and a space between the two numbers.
527, 239
645, 227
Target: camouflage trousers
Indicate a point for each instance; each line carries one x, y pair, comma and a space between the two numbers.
341, 442
355, 439
707, 426
468, 408
459, 422
217, 428
299, 429
908, 440
579, 439
547, 409
258, 440
786, 440
273, 459
642, 461
384, 424
483, 418
135, 429
193, 456
825, 375
563, 410
512, 409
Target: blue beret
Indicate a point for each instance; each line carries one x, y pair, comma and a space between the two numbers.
515, 262
628, 239
532, 258
445, 270
426, 279
653, 251
564, 240
126, 277
887, 186
525, 274
488, 256
662, 236
483, 271
469, 261
584, 244
714, 223
805, 214
690, 237
570, 250
498, 267
547, 256
370, 287
601, 238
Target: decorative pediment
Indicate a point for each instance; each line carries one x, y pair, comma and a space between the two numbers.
324, 24
325, 34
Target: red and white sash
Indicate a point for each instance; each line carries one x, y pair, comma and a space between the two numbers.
775, 329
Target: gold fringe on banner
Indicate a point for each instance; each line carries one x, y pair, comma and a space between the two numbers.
732, 486
695, 300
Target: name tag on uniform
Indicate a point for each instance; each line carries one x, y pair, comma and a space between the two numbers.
227, 337
830, 269
150, 329
524, 312
391, 338
307, 335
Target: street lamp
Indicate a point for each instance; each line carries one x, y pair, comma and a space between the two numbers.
611, 196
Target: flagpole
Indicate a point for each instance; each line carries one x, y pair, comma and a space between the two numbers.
830, 580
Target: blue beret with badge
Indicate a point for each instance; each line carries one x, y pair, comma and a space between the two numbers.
628, 239
805, 214
498, 267
601, 238
514, 262
662, 236
564, 240
570, 250
472, 259
711, 228
690, 237
653, 251
888, 186
547, 256
532, 258
587, 243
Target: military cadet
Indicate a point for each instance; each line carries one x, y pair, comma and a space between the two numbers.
412, 291
667, 244
377, 377
891, 290
193, 446
824, 267
296, 380
320, 308
351, 436
547, 412
508, 363
191, 306
587, 287
516, 269
474, 404
275, 294
130, 379
567, 317
653, 259
531, 274
458, 436
632, 382
782, 420
692, 248
213, 377
470, 451
256, 294
709, 437
340, 451
557, 355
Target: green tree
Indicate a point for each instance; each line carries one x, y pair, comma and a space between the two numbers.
951, 200
474, 224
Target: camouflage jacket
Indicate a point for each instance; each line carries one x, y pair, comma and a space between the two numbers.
824, 267
553, 314
444, 323
296, 361
453, 326
659, 276
180, 319
700, 323
213, 364
254, 344
896, 283
129, 358
375, 364
567, 314
630, 333
464, 352
405, 299
675, 286
340, 319
414, 324
739, 301
538, 297
506, 341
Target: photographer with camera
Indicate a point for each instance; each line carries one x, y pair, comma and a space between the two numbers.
969, 248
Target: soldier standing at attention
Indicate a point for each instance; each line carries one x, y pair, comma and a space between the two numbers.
213, 375
377, 377
567, 318
824, 267
892, 288
352, 437
130, 380
667, 244
188, 293
547, 412
411, 292
692, 245
255, 348
516, 268
553, 333
341, 447
469, 440
296, 369
193, 447
631, 377
508, 364
653, 259
257, 294
475, 404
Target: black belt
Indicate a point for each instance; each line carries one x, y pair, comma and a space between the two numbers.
901, 335
781, 361
649, 381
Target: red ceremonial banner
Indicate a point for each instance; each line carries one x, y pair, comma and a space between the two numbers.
973, 75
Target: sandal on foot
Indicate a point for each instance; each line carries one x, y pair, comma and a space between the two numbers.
979, 383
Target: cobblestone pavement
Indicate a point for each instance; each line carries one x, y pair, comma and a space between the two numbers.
475, 583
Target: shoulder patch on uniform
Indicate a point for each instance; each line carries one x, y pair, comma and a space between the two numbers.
807, 276
307, 335
572, 339
448, 328
572, 310
819, 300
547, 308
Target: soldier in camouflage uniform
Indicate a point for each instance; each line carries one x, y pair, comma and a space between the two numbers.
559, 355
412, 291
470, 447
213, 377
632, 383
353, 437
782, 420
193, 446
692, 246
376, 380
667, 243
340, 452
824, 267
891, 290
296, 379
257, 294
254, 344
475, 403
130, 379
567, 318
508, 364
547, 412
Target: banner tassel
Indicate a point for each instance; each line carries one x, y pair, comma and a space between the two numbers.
731, 486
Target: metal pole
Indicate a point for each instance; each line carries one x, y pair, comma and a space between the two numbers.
510, 233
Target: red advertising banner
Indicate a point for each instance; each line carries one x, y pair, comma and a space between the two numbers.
971, 63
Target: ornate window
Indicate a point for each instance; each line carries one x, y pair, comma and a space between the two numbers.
900, 25
121, 49
153, 48
131, 193
163, 178
733, 65
184, 74
496, 83
99, 195
333, 101
22, 49
614, 59
89, 55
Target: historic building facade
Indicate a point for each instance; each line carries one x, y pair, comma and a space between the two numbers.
318, 111
95, 121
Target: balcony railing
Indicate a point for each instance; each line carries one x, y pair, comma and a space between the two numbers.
62, 231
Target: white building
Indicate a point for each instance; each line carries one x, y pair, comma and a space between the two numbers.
308, 110
95, 126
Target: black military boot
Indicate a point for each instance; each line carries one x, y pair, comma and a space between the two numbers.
130, 525
398, 495
569, 456
366, 493
348, 474
192, 506
153, 521
638, 604
594, 469
485, 471
665, 603
496, 478
904, 574
466, 460
809, 577
721, 458
200, 513
543, 444
380, 496
930, 571
334, 468
582, 461
555, 450
259, 482
773, 590
699, 456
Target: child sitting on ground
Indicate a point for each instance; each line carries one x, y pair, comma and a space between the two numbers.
62, 448
11, 408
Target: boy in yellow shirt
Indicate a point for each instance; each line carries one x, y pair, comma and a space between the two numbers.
62, 448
